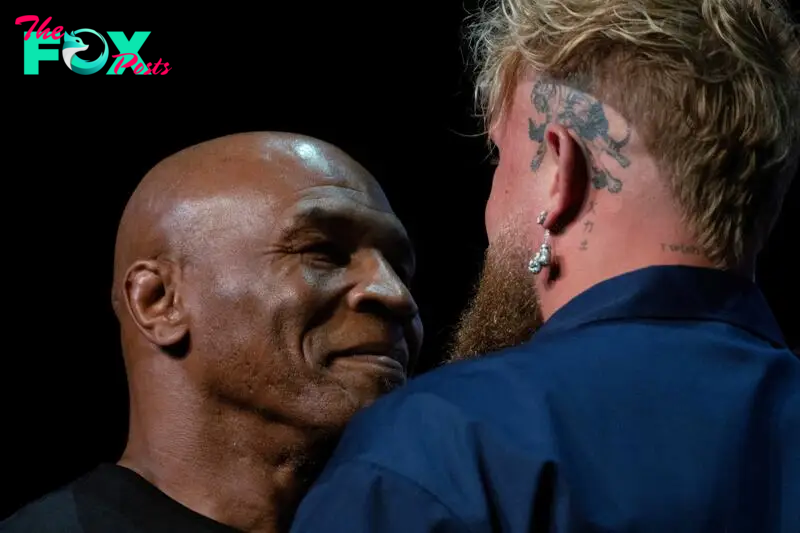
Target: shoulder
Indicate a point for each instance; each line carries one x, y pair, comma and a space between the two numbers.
449, 395
54, 513
449, 416
439, 444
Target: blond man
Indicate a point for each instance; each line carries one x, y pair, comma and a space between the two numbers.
644, 151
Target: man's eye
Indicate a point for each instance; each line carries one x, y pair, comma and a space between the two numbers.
326, 252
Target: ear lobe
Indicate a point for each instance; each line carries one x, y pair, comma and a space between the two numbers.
570, 183
153, 302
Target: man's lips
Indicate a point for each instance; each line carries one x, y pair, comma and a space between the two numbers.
391, 356
383, 361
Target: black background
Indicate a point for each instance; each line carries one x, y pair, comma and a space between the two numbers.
386, 82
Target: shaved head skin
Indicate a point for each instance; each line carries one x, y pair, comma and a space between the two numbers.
261, 284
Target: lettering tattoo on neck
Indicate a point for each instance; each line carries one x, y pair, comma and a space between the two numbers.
588, 226
585, 116
686, 249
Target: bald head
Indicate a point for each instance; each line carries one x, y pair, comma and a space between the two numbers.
182, 198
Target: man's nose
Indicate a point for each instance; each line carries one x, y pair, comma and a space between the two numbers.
382, 286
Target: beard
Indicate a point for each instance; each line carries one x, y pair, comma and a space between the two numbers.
504, 310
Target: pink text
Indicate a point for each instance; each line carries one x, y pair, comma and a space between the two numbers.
134, 59
43, 32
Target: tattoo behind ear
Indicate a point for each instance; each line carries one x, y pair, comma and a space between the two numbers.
536, 133
602, 179
586, 117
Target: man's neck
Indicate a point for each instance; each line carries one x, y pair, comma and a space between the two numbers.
581, 271
237, 469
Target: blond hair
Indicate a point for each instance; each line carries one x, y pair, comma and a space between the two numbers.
713, 87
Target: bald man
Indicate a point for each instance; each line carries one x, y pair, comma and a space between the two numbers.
260, 281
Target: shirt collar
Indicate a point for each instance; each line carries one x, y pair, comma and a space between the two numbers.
671, 292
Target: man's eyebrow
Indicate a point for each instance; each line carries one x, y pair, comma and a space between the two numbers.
320, 219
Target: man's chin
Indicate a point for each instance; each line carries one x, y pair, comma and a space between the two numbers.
366, 381
481, 332
504, 310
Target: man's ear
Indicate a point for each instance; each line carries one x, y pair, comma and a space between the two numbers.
151, 292
569, 188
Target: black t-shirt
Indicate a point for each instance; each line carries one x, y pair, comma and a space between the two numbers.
109, 499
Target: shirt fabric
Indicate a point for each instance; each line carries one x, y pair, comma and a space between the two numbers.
109, 499
662, 400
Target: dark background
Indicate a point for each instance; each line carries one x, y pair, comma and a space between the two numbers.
387, 83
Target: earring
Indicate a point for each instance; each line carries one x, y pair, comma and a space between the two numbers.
542, 257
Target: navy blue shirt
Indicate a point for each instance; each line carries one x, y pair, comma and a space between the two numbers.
663, 400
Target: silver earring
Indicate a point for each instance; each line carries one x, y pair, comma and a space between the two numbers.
542, 257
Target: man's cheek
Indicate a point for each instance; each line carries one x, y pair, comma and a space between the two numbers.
496, 208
